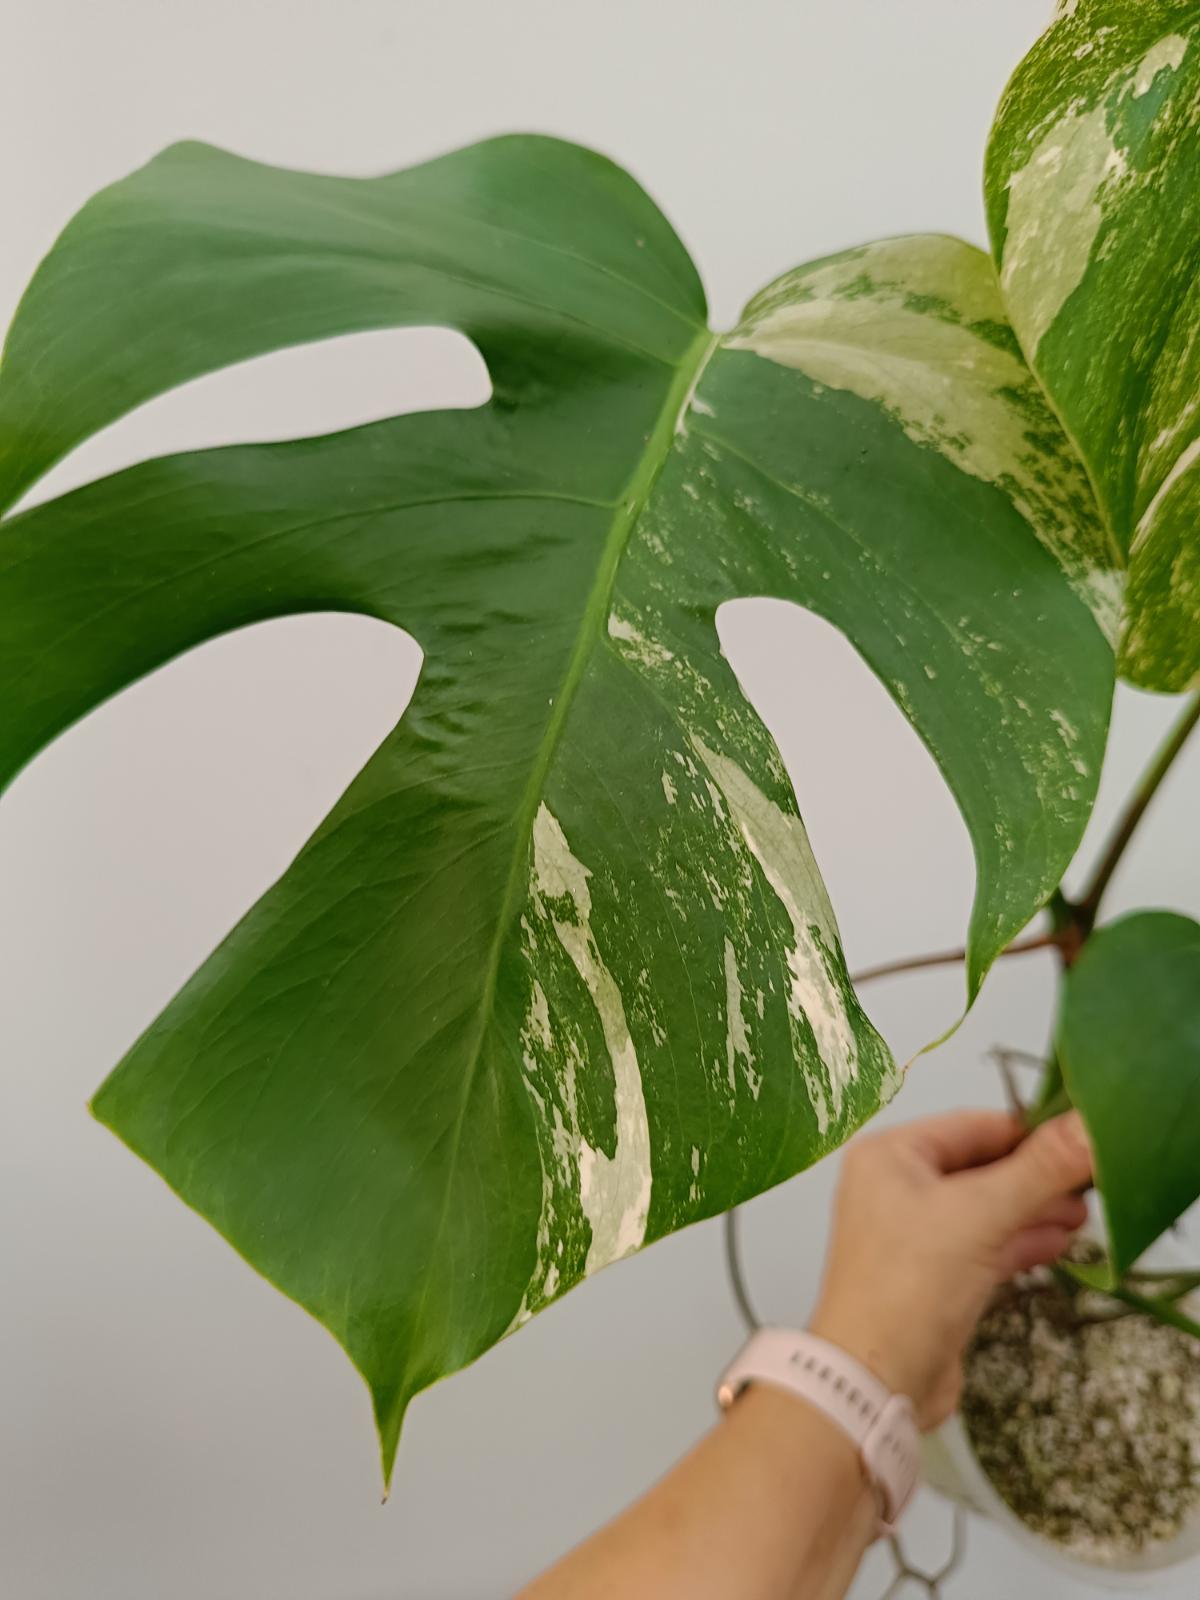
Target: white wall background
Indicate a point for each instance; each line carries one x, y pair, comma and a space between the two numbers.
170, 1428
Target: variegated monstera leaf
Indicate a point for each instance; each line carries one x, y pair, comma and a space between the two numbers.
558, 974
1093, 185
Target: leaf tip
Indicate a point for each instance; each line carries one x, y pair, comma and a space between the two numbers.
390, 1407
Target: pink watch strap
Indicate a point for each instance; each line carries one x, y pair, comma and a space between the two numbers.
881, 1425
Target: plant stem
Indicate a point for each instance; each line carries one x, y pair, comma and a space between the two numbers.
1048, 1104
1171, 1285
1160, 1309
1089, 902
1061, 910
947, 958
1163, 1310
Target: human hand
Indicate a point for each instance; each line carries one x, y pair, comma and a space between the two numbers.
929, 1218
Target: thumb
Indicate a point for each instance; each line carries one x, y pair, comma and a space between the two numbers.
1054, 1160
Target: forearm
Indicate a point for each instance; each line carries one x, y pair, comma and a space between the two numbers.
770, 1505
773, 1503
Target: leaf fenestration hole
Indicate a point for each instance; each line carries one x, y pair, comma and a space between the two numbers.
181, 799
887, 835
289, 394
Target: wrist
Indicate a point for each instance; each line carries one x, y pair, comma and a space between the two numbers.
791, 1435
842, 1394
860, 1337
785, 1425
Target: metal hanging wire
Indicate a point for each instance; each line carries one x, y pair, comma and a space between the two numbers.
905, 1572
931, 1581
737, 1279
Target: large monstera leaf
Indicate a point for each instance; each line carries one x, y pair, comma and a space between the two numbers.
558, 974
1093, 183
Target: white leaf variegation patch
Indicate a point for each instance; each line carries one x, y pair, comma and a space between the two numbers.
917, 325
614, 1191
816, 998
558, 974
1093, 184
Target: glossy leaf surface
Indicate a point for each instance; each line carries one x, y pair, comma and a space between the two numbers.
1093, 187
558, 975
1129, 1042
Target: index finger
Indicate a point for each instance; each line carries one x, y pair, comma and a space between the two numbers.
956, 1140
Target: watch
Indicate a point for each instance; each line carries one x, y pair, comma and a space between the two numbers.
882, 1426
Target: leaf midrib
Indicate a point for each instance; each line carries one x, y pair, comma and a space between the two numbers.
595, 612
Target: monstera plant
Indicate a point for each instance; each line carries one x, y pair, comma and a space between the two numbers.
558, 974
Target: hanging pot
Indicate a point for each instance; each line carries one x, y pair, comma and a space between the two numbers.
953, 1468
